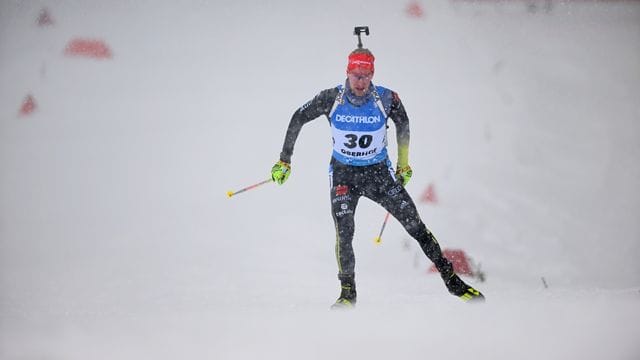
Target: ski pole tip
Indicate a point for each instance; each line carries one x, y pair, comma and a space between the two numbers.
377, 240
229, 193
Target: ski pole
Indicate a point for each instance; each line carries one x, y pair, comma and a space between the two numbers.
378, 239
230, 193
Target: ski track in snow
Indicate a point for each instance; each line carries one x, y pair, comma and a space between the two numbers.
117, 240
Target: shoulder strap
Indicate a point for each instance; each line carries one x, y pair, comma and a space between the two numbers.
378, 100
339, 100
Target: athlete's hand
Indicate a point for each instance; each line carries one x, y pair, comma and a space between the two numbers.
404, 174
280, 172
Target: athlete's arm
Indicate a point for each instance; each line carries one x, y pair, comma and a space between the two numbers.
399, 116
320, 105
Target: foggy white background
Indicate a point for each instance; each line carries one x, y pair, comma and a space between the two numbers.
117, 240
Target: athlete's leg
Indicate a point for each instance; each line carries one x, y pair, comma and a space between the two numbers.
389, 193
344, 200
343, 206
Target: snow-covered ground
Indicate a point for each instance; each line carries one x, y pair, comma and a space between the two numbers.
117, 240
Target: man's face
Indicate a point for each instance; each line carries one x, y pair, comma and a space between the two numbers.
359, 80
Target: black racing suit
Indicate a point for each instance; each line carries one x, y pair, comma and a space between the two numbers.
376, 182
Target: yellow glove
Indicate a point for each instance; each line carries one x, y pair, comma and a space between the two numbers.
404, 174
280, 172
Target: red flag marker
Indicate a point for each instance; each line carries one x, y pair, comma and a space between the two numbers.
429, 195
28, 105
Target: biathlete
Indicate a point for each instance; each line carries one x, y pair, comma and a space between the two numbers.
358, 113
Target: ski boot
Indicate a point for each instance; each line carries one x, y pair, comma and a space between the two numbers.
347, 299
459, 288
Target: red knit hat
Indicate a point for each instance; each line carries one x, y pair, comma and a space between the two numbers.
361, 59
